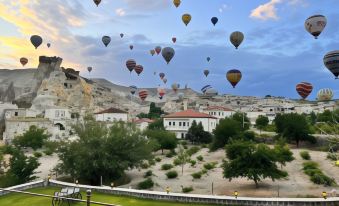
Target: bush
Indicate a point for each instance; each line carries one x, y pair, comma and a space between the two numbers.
172, 174
144, 165
48, 152
176, 162
196, 175
158, 159
305, 155
37, 154
332, 156
183, 142
191, 151
316, 175
209, 166
151, 162
166, 166
148, 173
200, 158
310, 165
146, 184
187, 189
193, 163
185, 146
171, 154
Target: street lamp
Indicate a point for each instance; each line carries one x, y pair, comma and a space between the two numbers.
324, 194
76, 182
236, 194
112, 185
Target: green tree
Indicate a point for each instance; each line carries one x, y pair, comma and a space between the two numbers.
242, 119
226, 129
293, 127
154, 112
261, 122
158, 124
197, 134
312, 118
283, 153
165, 139
255, 162
33, 138
183, 158
328, 116
102, 151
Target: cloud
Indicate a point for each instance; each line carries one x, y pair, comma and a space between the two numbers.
224, 7
266, 11
120, 12
148, 4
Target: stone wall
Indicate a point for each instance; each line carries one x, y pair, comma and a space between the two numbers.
25, 186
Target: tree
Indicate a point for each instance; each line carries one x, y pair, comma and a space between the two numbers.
283, 153
226, 129
261, 122
34, 138
293, 127
242, 119
158, 124
154, 112
256, 162
313, 118
165, 139
197, 134
328, 116
103, 152
183, 157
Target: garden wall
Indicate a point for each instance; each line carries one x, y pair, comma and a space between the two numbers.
25, 186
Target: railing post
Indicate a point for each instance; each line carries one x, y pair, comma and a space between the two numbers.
88, 194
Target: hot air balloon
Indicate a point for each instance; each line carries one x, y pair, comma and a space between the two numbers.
164, 80
174, 39
161, 92
168, 53
205, 88
315, 25
48, 45
23, 61
186, 18
89, 69
121, 35
133, 89
175, 87
234, 77
162, 75
304, 89
214, 20
106, 40
143, 94
138, 69
208, 59
131, 47
97, 2
36, 41
331, 61
206, 72
177, 3
236, 38
152, 52
158, 49
211, 92
325, 94
181, 96
130, 64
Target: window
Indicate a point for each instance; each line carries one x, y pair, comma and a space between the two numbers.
184, 124
56, 113
170, 123
219, 113
188, 124
182, 135
62, 113
179, 124
173, 123
16, 114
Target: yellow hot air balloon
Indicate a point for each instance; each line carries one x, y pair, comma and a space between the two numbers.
186, 18
177, 3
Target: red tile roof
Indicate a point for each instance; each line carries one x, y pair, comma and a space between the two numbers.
138, 121
219, 108
111, 111
189, 114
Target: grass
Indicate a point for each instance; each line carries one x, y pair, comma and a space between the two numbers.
24, 200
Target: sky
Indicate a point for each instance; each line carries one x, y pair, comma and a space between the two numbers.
277, 52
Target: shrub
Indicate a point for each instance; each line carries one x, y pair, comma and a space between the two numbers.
305, 155
166, 166
191, 151
171, 154
146, 184
196, 175
321, 179
310, 165
148, 173
172, 174
37, 154
158, 159
183, 142
48, 152
151, 162
332, 156
144, 165
176, 162
187, 189
185, 146
209, 166
193, 163
200, 158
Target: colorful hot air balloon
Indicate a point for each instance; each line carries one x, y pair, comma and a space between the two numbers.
208, 59
130, 64
168, 53
133, 89
174, 39
315, 25
205, 88
121, 35
138, 69
177, 3
89, 69
131, 47
304, 89
175, 87
161, 92
23, 61
186, 18
234, 77
36, 41
152, 52
325, 94
237, 38
143, 94
158, 49
331, 61
206, 72
48, 45
97, 2
164, 80
161, 75
214, 20
106, 40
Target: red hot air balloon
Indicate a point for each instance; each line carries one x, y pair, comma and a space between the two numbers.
174, 39
130, 64
143, 94
131, 47
23, 61
304, 89
138, 69
157, 50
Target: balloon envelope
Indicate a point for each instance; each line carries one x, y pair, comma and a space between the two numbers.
89, 69
106, 40
161, 92
237, 38
36, 41
234, 76
133, 89
164, 80
143, 94
162, 75
131, 47
208, 59
325, 94
121, 35
138, 69
130, 64
304, 89
331, 61
186, 18
214, 20
175, 87
206, 72
152, 52
315, 25
177, 3
168, 53
205, 88
97, 2
48, 45
174, 39
158, 49
23, 61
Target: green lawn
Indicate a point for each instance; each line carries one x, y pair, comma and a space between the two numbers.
26, 200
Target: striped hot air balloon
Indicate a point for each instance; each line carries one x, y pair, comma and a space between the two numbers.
130, 64
304, 89
325, 94
331, 61
23, 61
143, 94
133, 89
138, 69
234, 76
205, 88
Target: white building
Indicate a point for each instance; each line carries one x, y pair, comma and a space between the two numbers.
143, 123
219, 112
111, 115
180, 122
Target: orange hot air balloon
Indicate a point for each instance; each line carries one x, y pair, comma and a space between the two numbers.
177, 3
234, 76
23, 61
304, 89
143, 94
186, 18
